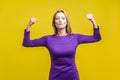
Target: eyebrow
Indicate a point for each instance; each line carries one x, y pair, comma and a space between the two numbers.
61, 16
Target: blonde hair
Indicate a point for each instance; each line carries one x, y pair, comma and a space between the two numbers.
68, 27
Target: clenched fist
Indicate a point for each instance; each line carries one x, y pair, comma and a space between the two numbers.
91, 18
31, 22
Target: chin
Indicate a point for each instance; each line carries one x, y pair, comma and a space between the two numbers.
60, 27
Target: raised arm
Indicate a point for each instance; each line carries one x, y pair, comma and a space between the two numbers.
90, 38
35, 42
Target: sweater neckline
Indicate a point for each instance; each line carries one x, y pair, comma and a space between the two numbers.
62, 36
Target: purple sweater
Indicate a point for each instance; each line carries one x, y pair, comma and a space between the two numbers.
62, 51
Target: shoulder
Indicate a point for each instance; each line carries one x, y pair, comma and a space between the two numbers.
46, 36
76, 34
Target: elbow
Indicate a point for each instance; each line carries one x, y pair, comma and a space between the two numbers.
25, 45
98, 39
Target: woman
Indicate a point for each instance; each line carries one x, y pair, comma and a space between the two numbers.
62, 45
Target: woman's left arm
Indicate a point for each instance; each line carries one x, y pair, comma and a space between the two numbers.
90, 38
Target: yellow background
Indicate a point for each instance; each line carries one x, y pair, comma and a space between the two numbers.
95, 61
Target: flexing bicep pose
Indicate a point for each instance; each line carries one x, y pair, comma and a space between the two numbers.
62, 45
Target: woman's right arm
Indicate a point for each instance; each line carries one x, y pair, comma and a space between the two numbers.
31, 22
32, 43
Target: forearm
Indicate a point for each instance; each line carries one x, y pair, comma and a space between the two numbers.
97, 35
26, 38
94, 24
28, 28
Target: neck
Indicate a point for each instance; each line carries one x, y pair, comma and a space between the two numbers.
62, 32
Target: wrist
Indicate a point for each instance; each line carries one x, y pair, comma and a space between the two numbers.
95, 25
28, 28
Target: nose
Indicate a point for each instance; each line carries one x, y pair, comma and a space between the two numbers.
60, 20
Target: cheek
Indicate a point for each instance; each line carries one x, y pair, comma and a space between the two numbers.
56, 21
65, 21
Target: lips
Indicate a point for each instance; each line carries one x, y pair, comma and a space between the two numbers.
60, 24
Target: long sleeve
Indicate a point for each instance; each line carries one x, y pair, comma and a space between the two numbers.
35, 42
89, 38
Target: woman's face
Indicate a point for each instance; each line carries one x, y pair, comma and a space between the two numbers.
60, 20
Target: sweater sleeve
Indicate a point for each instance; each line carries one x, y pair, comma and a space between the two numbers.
89, 38
35, 42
